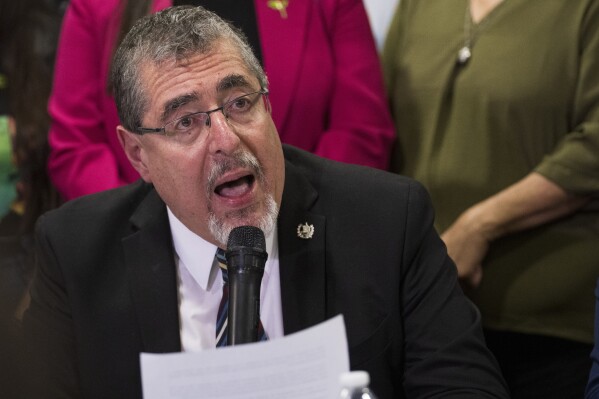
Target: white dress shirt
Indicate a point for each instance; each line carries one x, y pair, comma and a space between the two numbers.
200, 287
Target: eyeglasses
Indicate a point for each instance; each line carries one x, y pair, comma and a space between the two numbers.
241, 110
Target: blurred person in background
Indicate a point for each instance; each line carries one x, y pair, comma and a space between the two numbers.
327, 96
28, 36
497, 110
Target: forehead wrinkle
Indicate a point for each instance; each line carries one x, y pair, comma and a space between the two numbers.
232, 81
173, 104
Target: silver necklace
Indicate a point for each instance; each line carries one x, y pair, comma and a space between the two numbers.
471, 32
465, 52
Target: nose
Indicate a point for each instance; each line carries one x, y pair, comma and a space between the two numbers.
223, 137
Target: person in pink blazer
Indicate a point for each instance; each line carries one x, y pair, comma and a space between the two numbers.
325, 88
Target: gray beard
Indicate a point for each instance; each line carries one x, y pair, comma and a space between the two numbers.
221, 228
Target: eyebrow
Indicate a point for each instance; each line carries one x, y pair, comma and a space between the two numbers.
232, 81
228, 82
174, 104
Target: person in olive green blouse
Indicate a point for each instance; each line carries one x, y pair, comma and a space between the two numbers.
497, 111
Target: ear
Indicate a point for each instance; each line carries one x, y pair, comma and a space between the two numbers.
132, 145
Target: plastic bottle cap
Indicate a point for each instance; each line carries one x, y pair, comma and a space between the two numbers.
354, 379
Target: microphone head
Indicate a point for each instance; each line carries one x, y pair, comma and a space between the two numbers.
247, 236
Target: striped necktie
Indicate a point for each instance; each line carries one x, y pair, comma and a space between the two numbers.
223, 308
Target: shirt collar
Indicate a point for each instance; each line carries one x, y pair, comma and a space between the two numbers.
197, 254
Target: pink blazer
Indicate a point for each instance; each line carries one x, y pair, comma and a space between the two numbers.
325, 82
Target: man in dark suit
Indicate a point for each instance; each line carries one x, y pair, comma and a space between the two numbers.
116, 277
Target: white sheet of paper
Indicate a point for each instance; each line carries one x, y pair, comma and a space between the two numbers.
304, 365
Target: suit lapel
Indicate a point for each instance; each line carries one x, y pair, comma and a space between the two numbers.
301, 261
283, 42
152, 275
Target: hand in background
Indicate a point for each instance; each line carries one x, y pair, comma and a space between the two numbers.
467, 245
531, 202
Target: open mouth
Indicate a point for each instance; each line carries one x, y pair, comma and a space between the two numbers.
235, 188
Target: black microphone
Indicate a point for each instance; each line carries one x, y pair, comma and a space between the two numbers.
246, 256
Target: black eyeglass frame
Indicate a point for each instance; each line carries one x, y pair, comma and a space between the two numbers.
162, 130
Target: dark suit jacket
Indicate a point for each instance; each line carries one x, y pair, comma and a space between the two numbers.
106, 287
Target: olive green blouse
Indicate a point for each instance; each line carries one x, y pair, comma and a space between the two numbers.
527, 100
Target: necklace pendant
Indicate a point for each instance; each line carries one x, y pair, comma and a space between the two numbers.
464, 55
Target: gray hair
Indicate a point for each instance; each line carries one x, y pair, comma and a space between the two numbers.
172, 34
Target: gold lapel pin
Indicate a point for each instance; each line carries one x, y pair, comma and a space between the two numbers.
280, 6
305, 231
